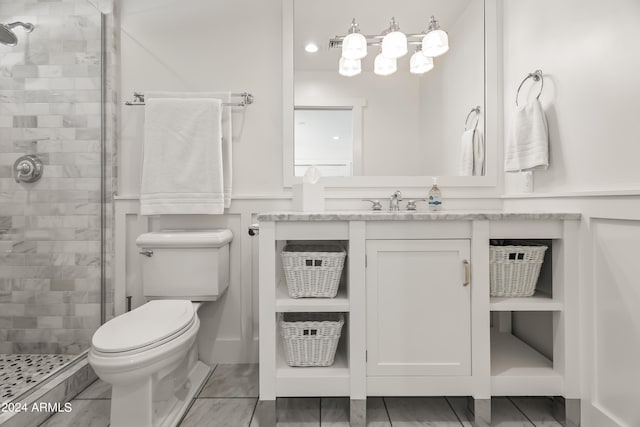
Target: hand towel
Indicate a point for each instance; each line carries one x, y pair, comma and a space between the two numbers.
478, 153
182, 157
227, 132
472, 153
527, 145
466, 153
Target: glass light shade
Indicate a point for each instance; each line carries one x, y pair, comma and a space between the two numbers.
349, 67
394, 45
384, 66
435, 43
354, 46
420, 64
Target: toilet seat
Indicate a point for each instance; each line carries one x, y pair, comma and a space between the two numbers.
146, 327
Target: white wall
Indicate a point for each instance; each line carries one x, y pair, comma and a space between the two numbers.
202, 45
588, 51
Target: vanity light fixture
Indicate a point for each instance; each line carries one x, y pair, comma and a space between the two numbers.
349, 67
354, 45
384, 66
394, 44
436, 41
419, 63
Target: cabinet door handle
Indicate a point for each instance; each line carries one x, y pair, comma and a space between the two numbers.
467, 273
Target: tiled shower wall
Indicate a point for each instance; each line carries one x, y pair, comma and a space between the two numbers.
50, 238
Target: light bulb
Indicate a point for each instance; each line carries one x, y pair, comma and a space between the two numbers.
436, 42
394, 43
384, 66
349, 67
420, 64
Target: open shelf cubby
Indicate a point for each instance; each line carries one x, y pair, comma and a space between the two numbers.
543, 298
331, 380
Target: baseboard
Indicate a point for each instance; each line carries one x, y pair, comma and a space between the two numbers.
595, 416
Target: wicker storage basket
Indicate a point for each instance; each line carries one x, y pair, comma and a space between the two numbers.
313, 270
514, 269
310, 339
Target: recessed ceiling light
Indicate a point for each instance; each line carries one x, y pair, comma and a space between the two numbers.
311, 48
336, 138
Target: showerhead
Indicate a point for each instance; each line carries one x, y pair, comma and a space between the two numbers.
8, 37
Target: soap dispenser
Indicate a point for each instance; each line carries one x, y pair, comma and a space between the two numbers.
435, 196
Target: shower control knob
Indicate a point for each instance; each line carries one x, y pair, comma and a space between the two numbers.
28, 168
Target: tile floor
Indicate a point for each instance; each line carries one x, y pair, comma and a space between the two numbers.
19, 372
229, 398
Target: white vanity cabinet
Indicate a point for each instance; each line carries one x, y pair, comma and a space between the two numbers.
419, 319
418, 307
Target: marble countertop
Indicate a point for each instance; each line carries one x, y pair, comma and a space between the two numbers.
415, 216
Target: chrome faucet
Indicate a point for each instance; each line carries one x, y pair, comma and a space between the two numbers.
394, 202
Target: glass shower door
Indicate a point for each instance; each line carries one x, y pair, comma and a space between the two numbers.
51, 229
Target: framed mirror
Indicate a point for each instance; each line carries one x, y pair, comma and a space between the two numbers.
407, 127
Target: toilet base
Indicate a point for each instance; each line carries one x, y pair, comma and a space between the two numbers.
140, 406
197, 377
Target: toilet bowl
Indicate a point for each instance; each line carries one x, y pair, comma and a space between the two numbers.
150, 355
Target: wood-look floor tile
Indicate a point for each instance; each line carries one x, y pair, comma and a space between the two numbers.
97, 390
298, 412
220, 413
377, 413
537, 409
239, 380
460, 406
334, 412
505, 414
421, 411
85, 413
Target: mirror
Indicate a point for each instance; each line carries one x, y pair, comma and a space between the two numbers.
410, 126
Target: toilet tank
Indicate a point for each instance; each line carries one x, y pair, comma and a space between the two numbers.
185, 264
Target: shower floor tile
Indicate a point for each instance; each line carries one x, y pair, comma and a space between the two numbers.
18, 372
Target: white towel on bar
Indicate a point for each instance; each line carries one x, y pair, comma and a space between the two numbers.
527, 145
478, 153
182, 157
227, 132
472, 153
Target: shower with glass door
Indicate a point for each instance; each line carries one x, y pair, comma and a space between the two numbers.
55, 184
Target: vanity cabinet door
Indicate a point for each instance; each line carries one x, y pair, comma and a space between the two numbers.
418, 307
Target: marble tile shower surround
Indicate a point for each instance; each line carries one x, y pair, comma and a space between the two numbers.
50, 238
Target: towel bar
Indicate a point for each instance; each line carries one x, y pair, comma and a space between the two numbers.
537, 77
473, 110
247, 99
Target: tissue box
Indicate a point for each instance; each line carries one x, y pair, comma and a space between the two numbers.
308, 197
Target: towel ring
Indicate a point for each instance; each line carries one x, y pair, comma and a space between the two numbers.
473, 110
537, 77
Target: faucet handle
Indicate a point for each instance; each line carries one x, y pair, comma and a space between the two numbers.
411, 204
375, 204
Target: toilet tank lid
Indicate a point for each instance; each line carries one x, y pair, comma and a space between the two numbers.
185, 239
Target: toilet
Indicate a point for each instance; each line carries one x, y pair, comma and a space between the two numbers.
150, 355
